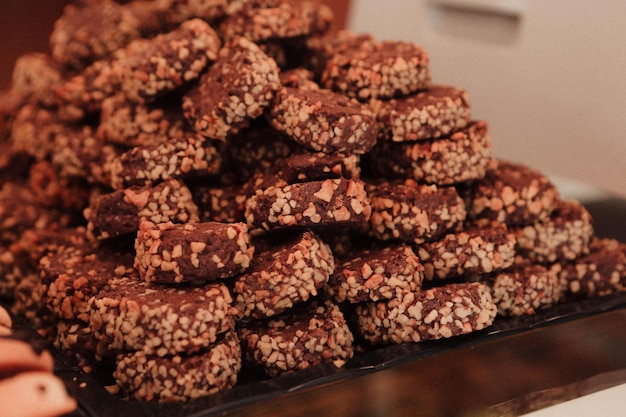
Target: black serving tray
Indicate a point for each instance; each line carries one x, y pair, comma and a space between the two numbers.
95, 401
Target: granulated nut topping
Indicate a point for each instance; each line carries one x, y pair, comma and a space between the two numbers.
194, 190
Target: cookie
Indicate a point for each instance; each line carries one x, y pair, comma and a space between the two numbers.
463, 156
314, 334
130, 314
118, 213
376, 274
71, 276
76, 338
525, 289
195, 253
235, 89
35, 77
51, 189
169, 61
512, 193
320, 48
337, 202
180, 377
600, 272
287, 20
436, 112
87, 32
219, 203
435, 313
469, 251
388, 69
34, 129
564, 236
322, 120
414, 213
283, 276
139, 124
317, 166
190, 157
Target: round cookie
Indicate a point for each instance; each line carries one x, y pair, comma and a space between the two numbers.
118, 213
135, 124
463, 156
168, 61
564, 236
190, 157
319, 49
310, 204
512, 193
439, 312
388, 69
196, 253
525, 289
323, 120
282, 276
601, 272
310, 335
435, 112
286, 20
469, 251
414, 213
187, 377
130, 314
376, 274
233, 91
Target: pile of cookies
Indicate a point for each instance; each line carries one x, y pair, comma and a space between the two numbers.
193, 187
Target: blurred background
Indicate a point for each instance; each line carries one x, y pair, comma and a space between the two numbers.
548, 76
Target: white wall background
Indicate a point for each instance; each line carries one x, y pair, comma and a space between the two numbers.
548, 76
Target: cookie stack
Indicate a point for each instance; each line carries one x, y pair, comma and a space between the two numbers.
190, 188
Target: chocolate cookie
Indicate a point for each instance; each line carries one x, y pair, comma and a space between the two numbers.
439, 312
195, 253
376, 274
190, 157
414, 213
436, 112
463, 156
469, 251
235, 89
118, 213
512, 193
564, 236
388, 69
325, 121
311, 335
130, 314
283, 276
180, 377
340, 202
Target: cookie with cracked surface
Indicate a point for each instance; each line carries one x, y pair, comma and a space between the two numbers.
196, 253
435, 313
376, 274
190, 157
323, 120
168, 61
512, 193
388, 69
331, 202
473, 250
135, 124
463, 156
286, 20
600, 272
236, 89
312, 334
131, 314
180, 377
524, 289
564, 236
118, 213
283, 276
435, 112
414, 213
